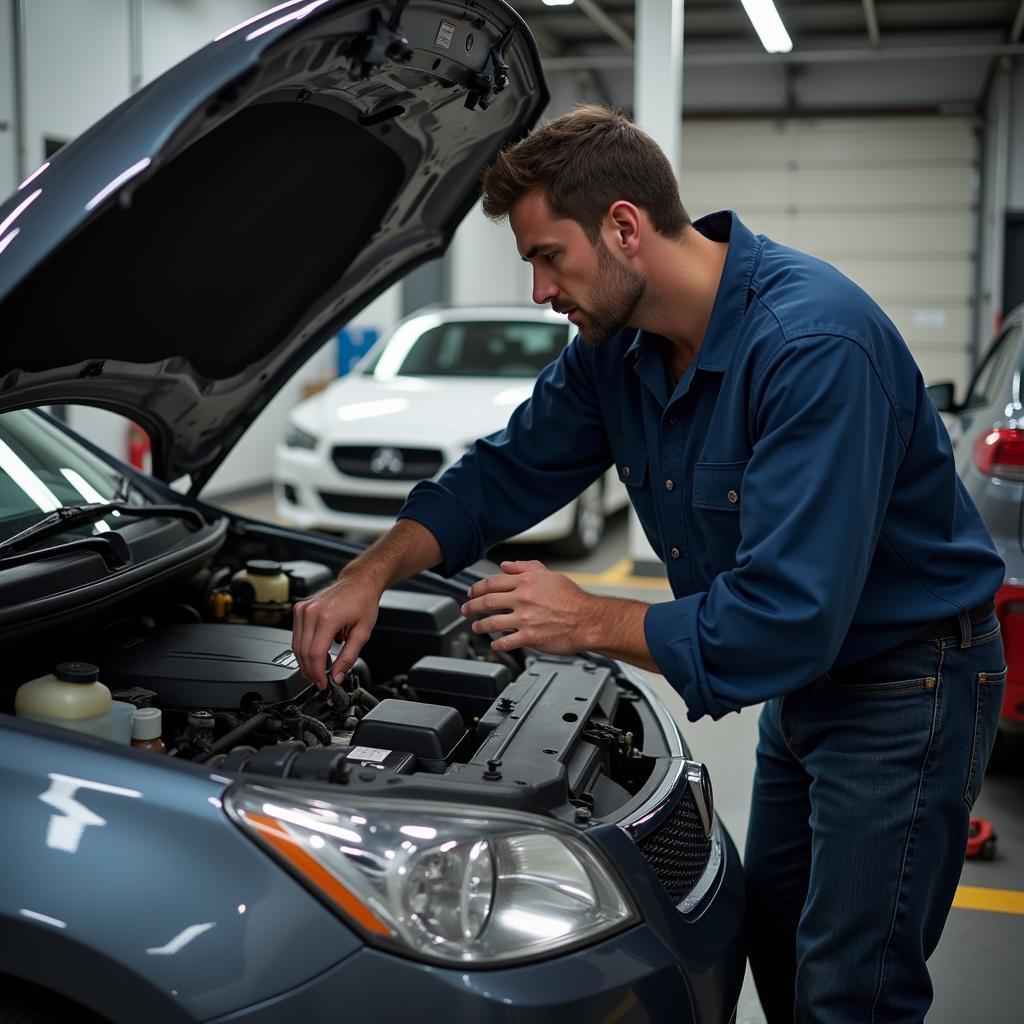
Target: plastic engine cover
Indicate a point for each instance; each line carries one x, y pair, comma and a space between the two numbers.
205, 665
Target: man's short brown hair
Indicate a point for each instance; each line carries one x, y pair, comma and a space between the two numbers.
585, 161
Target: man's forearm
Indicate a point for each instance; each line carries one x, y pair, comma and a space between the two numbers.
614, 626
406, 549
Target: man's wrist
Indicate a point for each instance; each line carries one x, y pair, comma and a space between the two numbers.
603, 620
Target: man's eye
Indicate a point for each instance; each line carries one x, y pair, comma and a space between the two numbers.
550, 257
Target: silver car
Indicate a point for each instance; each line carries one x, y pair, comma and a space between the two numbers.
987, 431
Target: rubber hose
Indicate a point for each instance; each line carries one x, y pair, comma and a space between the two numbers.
317, 728
230, 738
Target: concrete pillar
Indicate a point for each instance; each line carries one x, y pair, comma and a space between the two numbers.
658, 93
485, 267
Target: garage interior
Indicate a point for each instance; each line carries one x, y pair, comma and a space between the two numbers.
888, 141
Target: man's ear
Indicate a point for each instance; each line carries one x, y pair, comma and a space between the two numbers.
623, 223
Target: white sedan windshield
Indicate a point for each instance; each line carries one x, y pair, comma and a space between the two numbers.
470, 348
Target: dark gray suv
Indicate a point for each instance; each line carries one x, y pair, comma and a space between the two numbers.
451, 834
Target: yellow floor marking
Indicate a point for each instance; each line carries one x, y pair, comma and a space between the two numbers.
618, 571
619, 575
1001, 901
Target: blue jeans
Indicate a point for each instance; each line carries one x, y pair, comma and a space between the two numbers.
858, 826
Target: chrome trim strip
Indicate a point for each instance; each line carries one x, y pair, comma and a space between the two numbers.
664, 799
707, 878
662, 802
699, 781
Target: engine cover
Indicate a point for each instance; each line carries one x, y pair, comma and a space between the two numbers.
206, 665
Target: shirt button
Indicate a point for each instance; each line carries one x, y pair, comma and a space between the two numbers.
673, 420
625, 472
674, 552
669, 485
733, 497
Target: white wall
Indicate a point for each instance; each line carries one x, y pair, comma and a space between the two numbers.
76, 67
485, 264
172, 29
8, 156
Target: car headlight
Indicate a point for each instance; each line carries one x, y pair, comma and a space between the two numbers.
296, 437
455, 885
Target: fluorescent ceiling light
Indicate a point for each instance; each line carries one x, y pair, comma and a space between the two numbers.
557, 3
768, 25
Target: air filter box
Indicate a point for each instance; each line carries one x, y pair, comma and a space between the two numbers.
470, 687
428, 731
411, 626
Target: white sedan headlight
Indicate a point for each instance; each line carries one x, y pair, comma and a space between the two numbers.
456, 885
296, 437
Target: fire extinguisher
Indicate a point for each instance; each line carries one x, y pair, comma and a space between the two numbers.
138, 447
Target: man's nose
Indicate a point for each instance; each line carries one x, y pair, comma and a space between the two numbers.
544, 289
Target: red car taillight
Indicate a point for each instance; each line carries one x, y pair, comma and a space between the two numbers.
1000, 452
1010, 611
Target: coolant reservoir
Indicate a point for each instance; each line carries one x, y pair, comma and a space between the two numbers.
72, 698
268, 585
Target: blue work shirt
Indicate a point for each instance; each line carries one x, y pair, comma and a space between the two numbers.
797, 482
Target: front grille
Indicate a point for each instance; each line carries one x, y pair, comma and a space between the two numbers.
361, 505
366, 461
678, 850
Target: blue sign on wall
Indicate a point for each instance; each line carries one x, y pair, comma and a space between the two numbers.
353, 344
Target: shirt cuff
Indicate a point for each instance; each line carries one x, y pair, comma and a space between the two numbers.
670, 629
436, 508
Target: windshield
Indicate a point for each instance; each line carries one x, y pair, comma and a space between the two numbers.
467, 348
42, 469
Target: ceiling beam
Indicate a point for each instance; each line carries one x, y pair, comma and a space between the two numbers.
615, 61
1018, 25
593, 10
871, 17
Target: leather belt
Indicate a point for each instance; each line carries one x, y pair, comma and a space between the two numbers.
950, 626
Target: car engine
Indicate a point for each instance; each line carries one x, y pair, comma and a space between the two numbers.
427, 702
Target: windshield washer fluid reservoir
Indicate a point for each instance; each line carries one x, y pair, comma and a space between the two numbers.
72, 698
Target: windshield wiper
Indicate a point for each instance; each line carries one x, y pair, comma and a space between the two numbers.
62, 519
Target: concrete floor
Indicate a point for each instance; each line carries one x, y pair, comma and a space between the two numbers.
976, 968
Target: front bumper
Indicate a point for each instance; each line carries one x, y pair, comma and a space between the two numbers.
311, 493
666, 969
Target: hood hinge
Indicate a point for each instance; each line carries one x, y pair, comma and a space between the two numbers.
483, 86
385, 41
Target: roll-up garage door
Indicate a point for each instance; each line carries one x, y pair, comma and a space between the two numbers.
889, 201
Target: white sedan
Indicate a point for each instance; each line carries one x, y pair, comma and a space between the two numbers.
410, 408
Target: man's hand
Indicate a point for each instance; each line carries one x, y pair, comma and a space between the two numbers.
345, 611
546, 609
551, 614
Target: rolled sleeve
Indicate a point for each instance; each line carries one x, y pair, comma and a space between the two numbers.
433, 506
670, 629
814, 497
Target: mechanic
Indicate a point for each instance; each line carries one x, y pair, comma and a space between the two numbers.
788, 467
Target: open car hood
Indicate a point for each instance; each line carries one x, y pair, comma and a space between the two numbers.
183, 258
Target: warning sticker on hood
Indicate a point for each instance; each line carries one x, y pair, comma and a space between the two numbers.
445, 33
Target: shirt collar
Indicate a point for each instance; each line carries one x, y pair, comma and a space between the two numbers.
733, 290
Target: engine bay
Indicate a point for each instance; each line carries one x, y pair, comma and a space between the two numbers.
428, 705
